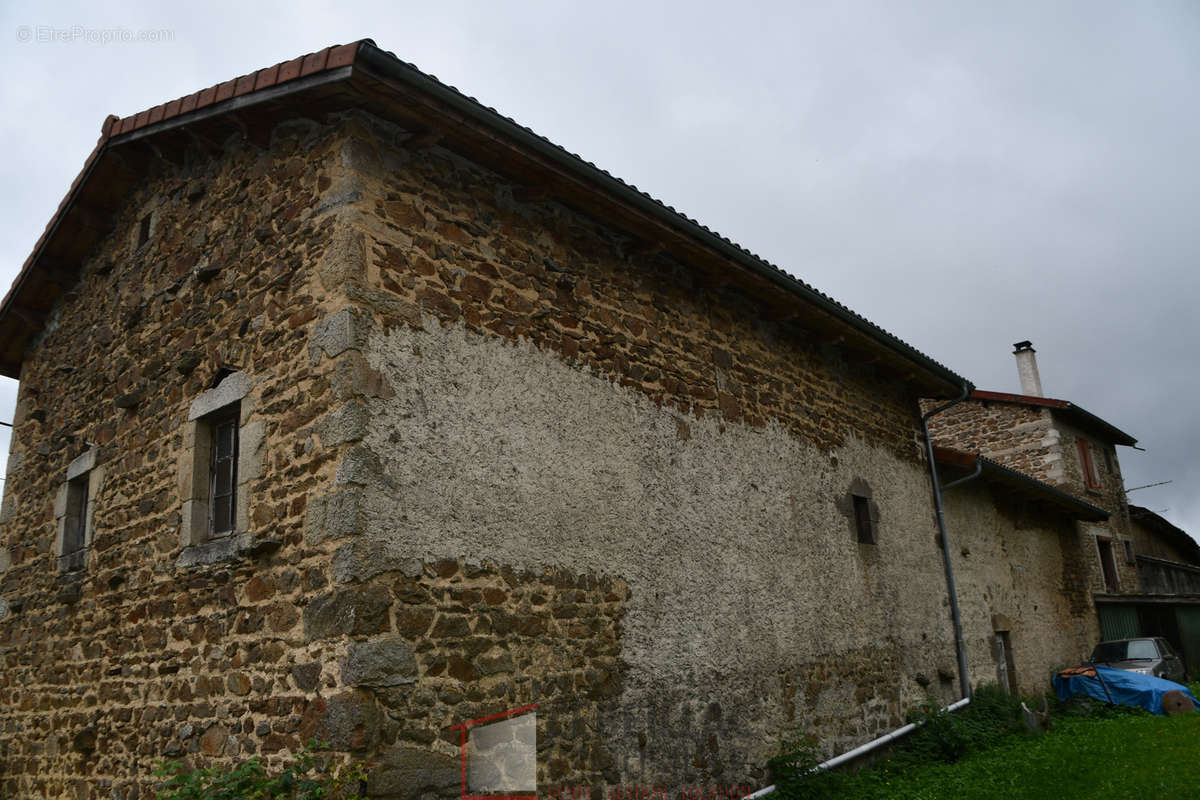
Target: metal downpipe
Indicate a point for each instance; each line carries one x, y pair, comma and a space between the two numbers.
956, 618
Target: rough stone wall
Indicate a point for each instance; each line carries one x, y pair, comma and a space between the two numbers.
1019, 437
1025, 570
546, 403
140, 658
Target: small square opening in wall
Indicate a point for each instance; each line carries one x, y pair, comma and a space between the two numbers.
862, 519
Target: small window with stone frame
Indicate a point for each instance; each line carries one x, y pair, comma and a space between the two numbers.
75, 524
73, 512
1130, 558
221, 454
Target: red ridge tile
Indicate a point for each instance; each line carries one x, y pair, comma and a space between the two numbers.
225, 90
156, 115
245, 85
290, 69
172, 109
189, 103
342, 55
206, 97
266, 77
314, 62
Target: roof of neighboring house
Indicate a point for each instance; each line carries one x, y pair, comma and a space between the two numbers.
1161, 527
1019, 482
1084, 419
361, 75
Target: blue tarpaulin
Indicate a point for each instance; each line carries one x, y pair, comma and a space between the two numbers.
1124, 688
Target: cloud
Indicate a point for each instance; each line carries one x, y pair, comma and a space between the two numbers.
965, 175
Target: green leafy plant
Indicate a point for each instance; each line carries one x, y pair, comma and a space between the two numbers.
306, 777
795, 773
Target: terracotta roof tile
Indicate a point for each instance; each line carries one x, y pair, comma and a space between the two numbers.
245, 85
314, 62
156, 114
189, 103
290, 70
265, 77
206, 97
341, 55
225, 90
172, 108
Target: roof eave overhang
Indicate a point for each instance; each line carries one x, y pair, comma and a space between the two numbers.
999, 474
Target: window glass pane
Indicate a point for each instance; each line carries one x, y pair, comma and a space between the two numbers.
222, 513
76, 519
1141, 648
224, 436
224, 478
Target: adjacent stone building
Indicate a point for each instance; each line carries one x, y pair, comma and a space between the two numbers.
1138, 569
351, 410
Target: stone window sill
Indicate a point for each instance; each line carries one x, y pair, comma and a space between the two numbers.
234, 547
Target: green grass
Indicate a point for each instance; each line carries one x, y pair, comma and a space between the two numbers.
1118, 757
1101, 753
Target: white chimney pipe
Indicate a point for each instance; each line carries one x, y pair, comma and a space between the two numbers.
1031, 382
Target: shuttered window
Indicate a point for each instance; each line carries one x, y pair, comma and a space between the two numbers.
1087, 464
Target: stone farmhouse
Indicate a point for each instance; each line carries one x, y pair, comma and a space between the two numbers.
1143, 574
350, 409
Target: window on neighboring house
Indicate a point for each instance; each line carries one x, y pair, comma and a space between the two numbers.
1129, 557
1107, 565
1087, 464
862, 519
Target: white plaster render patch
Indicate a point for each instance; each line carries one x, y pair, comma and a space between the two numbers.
737, 558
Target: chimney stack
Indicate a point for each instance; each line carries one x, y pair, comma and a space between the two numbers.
1031, 383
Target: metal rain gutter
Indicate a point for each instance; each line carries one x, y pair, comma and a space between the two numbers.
960, 646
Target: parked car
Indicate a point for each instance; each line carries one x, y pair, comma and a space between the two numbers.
1145, 656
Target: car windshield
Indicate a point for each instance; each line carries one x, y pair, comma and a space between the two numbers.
1124, 651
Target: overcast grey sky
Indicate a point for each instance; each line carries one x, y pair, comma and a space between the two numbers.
965, 174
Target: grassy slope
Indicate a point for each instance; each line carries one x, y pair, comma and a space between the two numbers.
1121, 757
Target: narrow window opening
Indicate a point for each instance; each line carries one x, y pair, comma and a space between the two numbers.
223, 472
75, 524
144, 230
1107, 564
1129, 557
1108, 460
862, 519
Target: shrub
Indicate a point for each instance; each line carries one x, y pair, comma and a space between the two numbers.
305, 778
